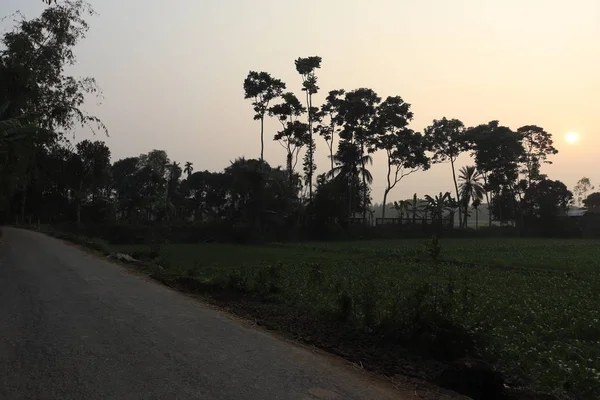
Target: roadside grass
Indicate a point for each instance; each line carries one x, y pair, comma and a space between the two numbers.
387, 304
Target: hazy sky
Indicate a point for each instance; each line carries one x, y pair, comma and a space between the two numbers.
172, 71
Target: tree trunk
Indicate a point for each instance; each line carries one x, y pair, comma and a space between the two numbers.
331, 154
262, 138
385, 193
457, 195
289, 168
349, 199
465, 225
490, 208
78, 212
310, 146
388, 188
364, 182
487, 199
477, 218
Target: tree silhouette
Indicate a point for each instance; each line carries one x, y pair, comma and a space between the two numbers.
546, 200
592, 202
404, 148
294, 134
583, 186
437, 205
330, 111
32, 69
306, 68
262, 88
497, 151
476, 203
358, 114
470, 188
537, 145
351, 169
447, 139
189, 168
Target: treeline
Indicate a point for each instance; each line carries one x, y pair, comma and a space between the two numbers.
44, 178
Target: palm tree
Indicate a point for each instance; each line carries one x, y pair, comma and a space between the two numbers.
189, 168
438, 204
401, 206
470, 188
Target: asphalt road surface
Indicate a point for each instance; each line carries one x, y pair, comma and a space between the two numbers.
73, 326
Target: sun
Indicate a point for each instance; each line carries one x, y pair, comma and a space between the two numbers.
572, 137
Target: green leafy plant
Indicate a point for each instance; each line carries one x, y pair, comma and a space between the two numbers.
433, 248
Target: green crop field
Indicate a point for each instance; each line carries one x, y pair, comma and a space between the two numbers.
534, 302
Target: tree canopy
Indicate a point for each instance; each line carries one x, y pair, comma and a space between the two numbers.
80, 183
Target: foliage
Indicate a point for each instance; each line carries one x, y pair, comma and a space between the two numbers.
581, 189
546, 200
446, 140
294, 134
592, 202
542, 331
470, 189
497, 151
32, 62
330, 111
404, 148
306, 67
262, 88
537, 146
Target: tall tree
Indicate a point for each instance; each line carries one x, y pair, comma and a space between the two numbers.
471, 189
404, 148
581, 189
95, 158
306, 67
128, 196
32, 65
262, 88
358, 114
294, 134
37, 93
329, 112
537, 146
447, 139
497, 151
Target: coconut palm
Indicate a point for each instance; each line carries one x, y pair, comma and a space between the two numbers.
189, 168
470, 188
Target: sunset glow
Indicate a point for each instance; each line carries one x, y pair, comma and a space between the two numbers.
572, 137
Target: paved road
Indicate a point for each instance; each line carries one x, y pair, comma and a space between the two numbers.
73, 326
